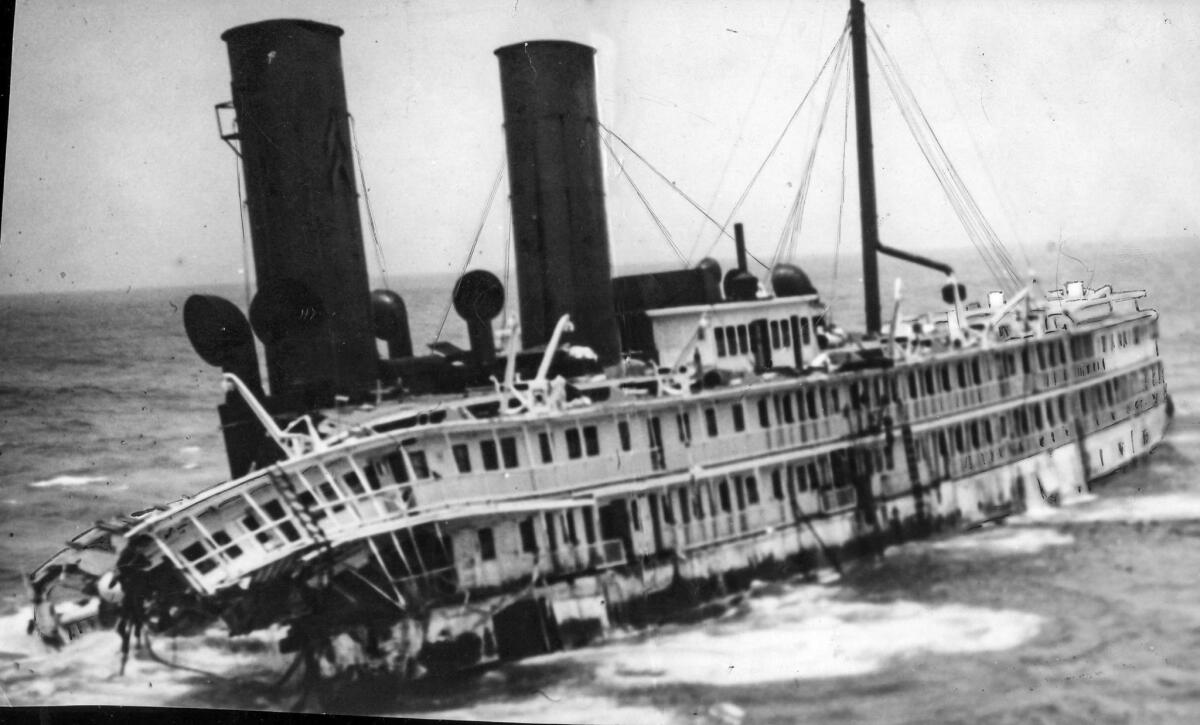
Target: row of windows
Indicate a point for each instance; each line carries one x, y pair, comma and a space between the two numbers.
741, 339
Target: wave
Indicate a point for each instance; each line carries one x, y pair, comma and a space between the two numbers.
67, 480
806, 634
998, 541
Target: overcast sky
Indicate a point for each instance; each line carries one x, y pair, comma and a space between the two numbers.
1071, 119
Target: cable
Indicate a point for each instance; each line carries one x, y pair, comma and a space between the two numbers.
367, 202
474, 243
646, 203
833, 51
237, 165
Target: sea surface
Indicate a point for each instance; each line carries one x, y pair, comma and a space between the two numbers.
1087, 613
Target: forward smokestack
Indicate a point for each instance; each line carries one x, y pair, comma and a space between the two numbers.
313, 307
557, 192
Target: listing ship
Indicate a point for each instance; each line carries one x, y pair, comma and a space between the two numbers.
630, 448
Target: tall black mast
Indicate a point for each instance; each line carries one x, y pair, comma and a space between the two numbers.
866, 167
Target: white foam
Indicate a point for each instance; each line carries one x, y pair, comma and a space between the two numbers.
1133, 509
68, 480
559, 707
1001, 540
807, 635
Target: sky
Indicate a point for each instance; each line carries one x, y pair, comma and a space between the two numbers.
1068, 121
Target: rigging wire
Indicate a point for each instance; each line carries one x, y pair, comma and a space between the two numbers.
646, 203
986, 170
837, 47
837, 245
953, 193
383, 276
789, 236
242, 211
989, 245
673, 186
783, 24
474, 243
508, 244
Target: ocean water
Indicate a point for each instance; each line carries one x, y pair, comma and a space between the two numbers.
1089, 613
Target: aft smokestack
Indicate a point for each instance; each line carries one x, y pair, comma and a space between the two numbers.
313, 307
557, 192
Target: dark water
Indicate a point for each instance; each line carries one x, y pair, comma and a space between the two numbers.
1084, 614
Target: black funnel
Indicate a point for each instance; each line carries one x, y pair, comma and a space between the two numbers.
557, 192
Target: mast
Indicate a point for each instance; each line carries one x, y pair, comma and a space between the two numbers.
866, 167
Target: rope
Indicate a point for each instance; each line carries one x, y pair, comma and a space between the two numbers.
674, 187
991, 249
646, 203
474, 243
841, 199
508, 243
790, 234
367, 202
237, 165
746, 117
741, 199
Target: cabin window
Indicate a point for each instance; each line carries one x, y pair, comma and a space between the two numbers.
802, 478
684, 512
1062, 409
528, 537
230, 549
698, 505
372, 477
777, 484
975, 439
668, 513
462, 457
785, 333
197, 551
572, 532
743, 339
775, 338
930, 388
1037, 417
961, 368
274, 509
487, 544
888, 457
710, 421
574, 444
623, 433
589, 527
399, 469
353, 483
751, 490
912, 385
591, 440
491, 458
976, 373
739, 492
684, 422
811, 397
551, 532
420, 464
723, 495
959, 443
805, 332
739, 418
946, 378
546, 447
764, 415
635, 515
719, 336
731, 339
508, 450
787, 409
